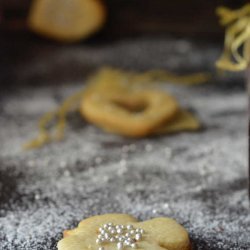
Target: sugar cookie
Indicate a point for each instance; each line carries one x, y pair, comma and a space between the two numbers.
121, 231
66, 20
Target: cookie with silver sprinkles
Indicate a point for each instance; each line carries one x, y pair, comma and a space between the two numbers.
122, 231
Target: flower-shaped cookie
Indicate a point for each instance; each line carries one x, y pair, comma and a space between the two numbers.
121, 231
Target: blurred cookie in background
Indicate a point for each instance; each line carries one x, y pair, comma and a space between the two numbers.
66, 21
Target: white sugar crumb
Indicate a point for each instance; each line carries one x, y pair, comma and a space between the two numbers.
199, 178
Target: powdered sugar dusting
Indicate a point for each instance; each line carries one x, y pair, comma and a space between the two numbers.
200, 178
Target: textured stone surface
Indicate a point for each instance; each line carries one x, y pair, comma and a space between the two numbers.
200, 179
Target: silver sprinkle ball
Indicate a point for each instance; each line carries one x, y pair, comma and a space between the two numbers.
121, 235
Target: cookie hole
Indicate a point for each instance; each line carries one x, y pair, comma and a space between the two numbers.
132, 107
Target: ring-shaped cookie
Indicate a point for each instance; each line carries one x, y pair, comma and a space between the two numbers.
129, 113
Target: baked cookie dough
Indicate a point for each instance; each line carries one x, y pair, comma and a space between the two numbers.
122, 231
134, 114
114, 101
66, 20
122, 103
183, 121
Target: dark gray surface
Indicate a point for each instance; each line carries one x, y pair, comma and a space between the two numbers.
200, 179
